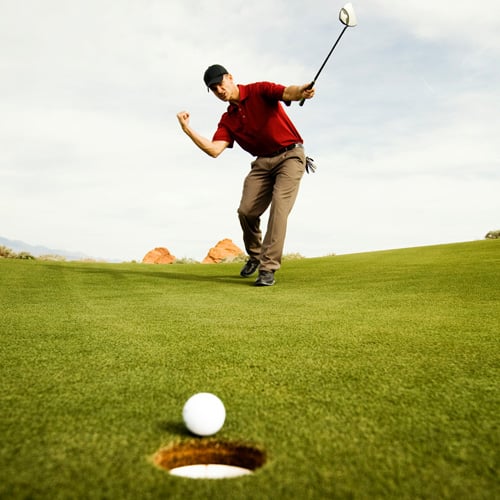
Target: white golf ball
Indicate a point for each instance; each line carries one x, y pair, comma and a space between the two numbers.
204, 414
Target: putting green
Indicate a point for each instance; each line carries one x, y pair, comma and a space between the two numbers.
359, 376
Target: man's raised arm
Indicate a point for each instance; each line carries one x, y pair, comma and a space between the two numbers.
212, 148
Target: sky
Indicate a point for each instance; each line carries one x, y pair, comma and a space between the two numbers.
404, 126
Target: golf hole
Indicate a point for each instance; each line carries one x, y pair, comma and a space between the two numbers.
210, 459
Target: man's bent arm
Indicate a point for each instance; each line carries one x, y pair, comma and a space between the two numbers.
211, 148
298, 92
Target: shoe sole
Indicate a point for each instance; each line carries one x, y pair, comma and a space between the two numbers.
247, 275
264, 284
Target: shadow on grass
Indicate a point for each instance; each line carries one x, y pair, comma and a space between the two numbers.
174, 427
167, 275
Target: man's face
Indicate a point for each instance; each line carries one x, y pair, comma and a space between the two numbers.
226, 90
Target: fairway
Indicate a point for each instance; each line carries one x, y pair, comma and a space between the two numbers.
361, 376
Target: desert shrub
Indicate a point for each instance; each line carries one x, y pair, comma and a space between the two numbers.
25, 256
186, 260
6, 253
51, 257
493, 235
293, 256
234, 258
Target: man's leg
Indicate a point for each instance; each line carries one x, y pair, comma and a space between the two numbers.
288, 173
256, 197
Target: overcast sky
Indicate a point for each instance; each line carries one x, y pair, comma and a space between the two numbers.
404, 127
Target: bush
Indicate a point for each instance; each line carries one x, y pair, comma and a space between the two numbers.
51, 257
185, 260
493, 235
25, 256
293, 256
234, 259
6, 253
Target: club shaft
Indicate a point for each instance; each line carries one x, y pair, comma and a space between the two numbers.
324, 62
328, 56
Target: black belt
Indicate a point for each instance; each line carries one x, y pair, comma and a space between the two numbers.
285, 149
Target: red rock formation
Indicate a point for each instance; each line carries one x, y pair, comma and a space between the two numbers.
224, 250
159, 255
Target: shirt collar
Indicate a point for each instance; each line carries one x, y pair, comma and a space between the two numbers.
243, 92
243, 96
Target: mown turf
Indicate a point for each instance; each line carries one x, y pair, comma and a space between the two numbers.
362, 376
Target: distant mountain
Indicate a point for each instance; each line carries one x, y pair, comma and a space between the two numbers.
37, 250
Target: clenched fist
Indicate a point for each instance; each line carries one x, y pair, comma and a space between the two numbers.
183, 117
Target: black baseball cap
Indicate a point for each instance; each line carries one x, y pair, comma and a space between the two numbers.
214, 74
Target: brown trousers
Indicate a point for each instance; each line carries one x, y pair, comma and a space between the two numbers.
271, 181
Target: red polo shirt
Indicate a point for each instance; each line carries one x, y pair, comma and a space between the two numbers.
258, 123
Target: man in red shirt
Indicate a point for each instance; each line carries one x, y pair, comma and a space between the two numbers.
256, 120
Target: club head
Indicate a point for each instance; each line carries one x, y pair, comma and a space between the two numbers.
347, 15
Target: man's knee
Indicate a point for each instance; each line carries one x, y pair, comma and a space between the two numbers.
246, 211
248, 220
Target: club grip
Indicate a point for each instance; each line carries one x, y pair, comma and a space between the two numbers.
309, 87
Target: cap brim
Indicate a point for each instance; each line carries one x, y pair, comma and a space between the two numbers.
215, 80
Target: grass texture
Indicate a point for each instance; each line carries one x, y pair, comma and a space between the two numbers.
362, 376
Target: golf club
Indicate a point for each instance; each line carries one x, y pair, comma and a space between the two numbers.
347, 17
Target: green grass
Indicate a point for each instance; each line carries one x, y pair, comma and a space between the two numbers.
362, 376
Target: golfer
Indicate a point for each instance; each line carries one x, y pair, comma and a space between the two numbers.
256, 120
